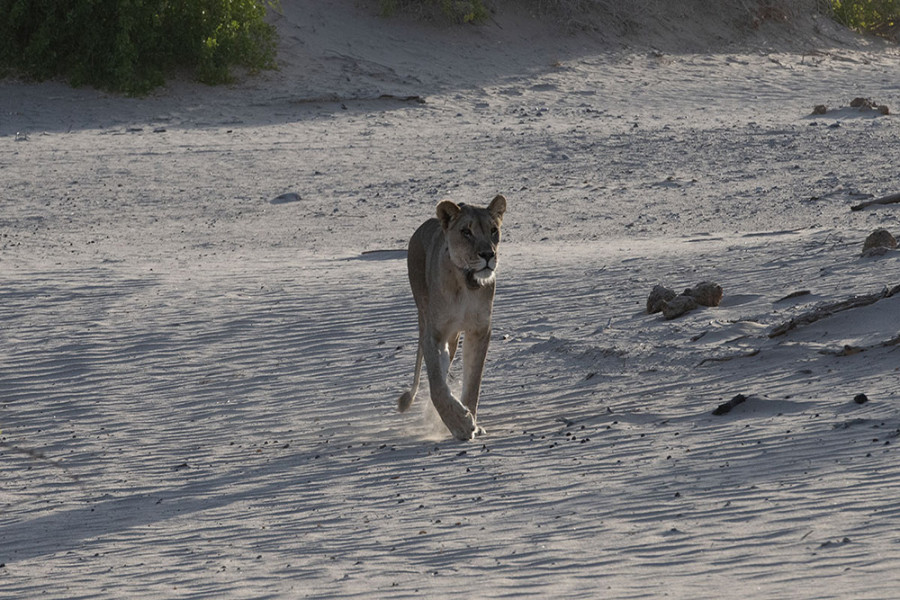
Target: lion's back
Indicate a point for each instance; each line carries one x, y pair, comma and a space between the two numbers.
420, 246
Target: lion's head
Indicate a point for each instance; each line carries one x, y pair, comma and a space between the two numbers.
473, 235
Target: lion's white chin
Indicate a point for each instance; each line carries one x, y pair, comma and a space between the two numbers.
484, 276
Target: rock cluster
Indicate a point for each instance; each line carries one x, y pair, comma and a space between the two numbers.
861, 104
672, 305
866, 104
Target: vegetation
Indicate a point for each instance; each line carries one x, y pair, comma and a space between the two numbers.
130, 45
456, 11
881, 17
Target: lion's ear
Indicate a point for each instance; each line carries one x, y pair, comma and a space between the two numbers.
497, 207
446, 212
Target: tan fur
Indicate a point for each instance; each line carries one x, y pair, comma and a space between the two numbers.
451, 265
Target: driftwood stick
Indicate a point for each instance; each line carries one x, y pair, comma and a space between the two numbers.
829, 309
753, 352
848, 350
889, 199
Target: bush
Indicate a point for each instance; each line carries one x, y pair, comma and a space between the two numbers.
129, 45
876, 16
457, 11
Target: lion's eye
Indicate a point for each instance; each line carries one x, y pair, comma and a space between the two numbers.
466, 232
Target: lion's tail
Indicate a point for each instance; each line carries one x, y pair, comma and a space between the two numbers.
407, 397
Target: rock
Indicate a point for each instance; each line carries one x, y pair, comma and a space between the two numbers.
659, 296
860, 398
879, 242
678, 306
819, 109
706, 293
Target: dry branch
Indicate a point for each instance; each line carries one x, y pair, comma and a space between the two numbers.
848, 350
889, 199
753, 352
829, 309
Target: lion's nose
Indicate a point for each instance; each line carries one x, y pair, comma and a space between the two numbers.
487, 255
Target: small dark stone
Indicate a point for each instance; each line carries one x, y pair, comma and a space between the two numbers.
860, 398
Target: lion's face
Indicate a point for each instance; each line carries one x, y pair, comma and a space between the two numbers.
473, 235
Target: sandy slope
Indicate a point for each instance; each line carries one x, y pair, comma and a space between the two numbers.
210, 377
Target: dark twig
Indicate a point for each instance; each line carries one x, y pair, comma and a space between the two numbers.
753, 352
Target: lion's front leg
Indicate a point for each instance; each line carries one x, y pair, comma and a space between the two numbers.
459, 420
475, 346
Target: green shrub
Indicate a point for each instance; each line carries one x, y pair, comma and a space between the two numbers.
457, 11
129, 45
876, 16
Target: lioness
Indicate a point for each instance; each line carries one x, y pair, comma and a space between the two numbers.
451, 263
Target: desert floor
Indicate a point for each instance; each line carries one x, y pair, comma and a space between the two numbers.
198, 380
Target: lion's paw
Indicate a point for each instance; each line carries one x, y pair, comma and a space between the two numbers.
466, 429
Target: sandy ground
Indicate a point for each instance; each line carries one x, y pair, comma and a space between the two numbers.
198, 383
